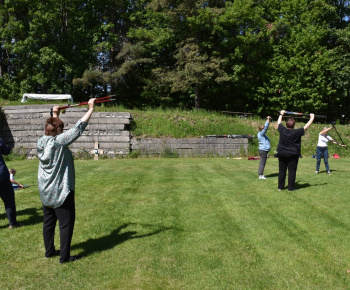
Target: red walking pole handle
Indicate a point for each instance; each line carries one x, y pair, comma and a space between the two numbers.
98, 100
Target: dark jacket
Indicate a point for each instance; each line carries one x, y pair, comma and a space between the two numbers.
4, 172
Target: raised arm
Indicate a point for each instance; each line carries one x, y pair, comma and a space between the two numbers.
308, 124
72, 134
279, 121
325, 131
88, 114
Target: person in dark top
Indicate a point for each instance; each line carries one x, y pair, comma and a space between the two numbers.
289, 150
7, 193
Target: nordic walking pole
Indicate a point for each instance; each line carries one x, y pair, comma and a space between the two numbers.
339, 135
303, 114
99, 100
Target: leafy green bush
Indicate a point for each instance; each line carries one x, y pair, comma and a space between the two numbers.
19, 153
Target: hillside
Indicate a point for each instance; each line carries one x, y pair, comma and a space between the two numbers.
178, 123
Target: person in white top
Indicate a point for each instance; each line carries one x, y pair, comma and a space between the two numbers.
322, 148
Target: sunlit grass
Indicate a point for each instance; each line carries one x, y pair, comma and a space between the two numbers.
187, 224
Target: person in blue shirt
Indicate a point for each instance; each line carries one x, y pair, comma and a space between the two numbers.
264, 147
6, 191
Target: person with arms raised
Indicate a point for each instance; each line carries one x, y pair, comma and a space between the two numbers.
56, 182
264, 147
289, 150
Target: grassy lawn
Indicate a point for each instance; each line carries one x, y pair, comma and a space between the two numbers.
201, 223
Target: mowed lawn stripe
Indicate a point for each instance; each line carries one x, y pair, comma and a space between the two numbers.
196, 223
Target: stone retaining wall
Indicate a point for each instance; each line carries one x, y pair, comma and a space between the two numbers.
22, 126
190, 147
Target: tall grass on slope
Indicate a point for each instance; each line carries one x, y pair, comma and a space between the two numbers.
181, 124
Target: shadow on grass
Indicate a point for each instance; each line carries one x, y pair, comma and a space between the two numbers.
272, 175
116, 237
35, 216
299, 185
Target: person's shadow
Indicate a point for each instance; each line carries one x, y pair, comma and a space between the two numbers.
35, 216
117, 237
299, 185
272, 175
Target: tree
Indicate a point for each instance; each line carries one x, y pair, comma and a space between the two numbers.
303, 65
45, 45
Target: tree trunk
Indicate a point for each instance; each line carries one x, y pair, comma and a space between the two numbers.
1, 62
197, 103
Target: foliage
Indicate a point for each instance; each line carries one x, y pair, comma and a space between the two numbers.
16, 154
245, 55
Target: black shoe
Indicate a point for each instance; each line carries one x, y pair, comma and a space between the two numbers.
72, 259
55, 254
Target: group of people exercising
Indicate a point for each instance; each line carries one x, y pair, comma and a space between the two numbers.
289, 149
56, 176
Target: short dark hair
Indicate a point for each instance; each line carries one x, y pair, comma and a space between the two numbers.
52, 125
290, 123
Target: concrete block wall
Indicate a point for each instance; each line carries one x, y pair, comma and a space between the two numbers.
22, 126
189, 147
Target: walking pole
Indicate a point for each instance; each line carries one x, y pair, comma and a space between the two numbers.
98, 100
303, 114
338, 134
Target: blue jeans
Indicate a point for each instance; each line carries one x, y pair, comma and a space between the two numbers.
322, 151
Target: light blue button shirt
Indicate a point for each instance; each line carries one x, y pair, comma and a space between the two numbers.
56, 176
264, 141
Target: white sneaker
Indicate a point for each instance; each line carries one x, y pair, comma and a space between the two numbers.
316, 171
328, 172
262, 177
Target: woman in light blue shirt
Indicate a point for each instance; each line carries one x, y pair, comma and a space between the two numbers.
56, 181
264, 147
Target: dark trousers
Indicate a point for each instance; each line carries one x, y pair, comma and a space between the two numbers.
65, 214
263, 158
289, 162
7, 195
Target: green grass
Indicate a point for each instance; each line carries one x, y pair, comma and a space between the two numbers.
196, 223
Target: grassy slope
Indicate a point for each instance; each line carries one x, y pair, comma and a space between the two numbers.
182, 124
187, 224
